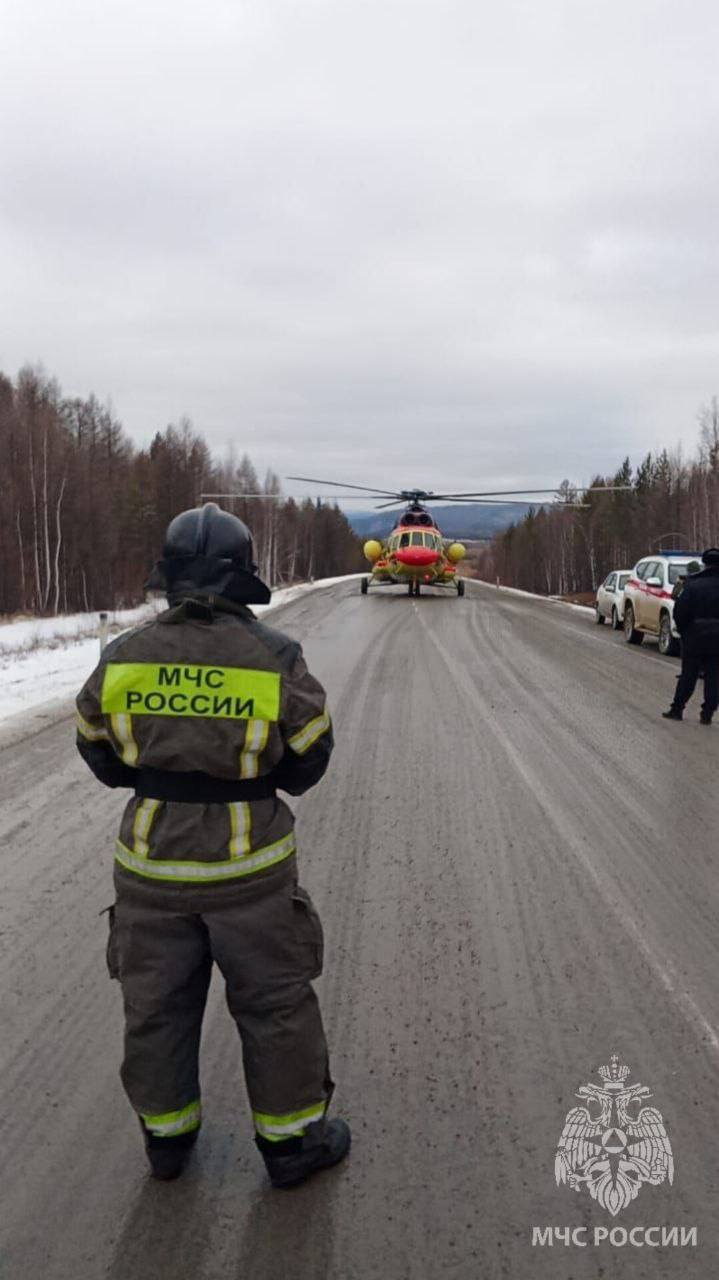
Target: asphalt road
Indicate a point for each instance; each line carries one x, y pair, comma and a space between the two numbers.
515, 860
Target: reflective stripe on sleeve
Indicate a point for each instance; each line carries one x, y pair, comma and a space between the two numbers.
122, 729
173, 1123
93, 733
255, 743
306, 738
205, 872
276, 1128
144, 818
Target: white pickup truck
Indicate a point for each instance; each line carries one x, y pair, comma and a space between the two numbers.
649, 599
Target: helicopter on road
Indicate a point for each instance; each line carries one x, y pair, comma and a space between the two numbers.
415, 554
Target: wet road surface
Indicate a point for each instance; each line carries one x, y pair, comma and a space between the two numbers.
515, 860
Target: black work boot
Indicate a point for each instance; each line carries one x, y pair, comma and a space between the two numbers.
290, 1162
705, 717
674, 713
168, 1156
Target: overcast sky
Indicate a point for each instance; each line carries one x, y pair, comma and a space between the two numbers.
443, 243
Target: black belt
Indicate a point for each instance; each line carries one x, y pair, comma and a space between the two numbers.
199, 788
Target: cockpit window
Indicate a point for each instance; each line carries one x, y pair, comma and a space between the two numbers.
417, 540
404, 540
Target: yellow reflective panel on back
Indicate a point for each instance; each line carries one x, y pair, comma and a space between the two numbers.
173, 689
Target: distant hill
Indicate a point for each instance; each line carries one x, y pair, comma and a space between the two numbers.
465, 520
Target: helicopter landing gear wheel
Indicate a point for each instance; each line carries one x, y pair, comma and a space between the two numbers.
364, 584
460, 587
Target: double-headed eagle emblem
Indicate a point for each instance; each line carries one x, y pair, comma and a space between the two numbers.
614, 1145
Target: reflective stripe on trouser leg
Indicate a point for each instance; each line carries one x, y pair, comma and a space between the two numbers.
269, 992
278, 1128
173, 1123
165, 964
286, 1061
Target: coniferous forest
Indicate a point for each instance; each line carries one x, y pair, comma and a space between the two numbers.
671, 503
84, 511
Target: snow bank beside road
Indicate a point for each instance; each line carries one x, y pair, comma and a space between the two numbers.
533, 595
53, 633
43, 659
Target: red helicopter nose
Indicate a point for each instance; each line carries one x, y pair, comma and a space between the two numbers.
417, 557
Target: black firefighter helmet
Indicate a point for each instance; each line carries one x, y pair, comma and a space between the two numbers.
208, 552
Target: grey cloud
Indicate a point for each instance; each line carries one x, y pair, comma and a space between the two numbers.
418, 241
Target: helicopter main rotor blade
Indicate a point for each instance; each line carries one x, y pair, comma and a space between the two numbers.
453, 497
509, 502
497, 493
521, 502
492, 502
340, 484
396, 496
397, 502
500, 493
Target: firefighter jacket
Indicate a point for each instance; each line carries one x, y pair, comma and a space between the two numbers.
205, 713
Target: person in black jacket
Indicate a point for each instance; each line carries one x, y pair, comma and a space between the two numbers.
696, 614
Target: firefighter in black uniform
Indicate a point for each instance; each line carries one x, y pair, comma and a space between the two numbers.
696, 614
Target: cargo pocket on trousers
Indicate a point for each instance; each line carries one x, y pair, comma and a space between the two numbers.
311, 928
111, 952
